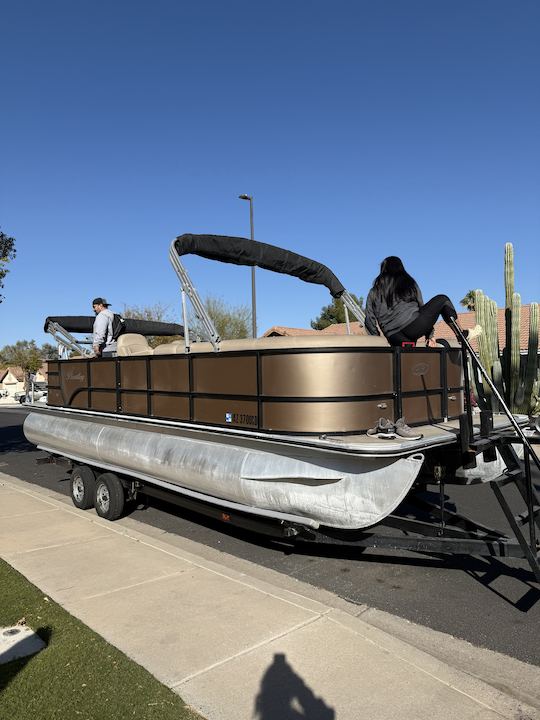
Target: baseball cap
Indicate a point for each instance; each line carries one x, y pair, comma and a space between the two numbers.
100, 301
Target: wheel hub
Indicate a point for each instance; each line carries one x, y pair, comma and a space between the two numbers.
78, 489
102, 497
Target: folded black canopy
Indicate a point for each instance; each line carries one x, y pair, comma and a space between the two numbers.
241, 251
85, 324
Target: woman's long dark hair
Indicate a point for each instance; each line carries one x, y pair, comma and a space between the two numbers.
394, 282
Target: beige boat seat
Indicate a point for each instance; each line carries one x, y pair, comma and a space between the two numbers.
176, 347
130, 344
292, 342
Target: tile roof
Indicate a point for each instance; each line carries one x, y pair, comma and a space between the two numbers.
335, 329
467, 320
16, 371
281, 330
341, 329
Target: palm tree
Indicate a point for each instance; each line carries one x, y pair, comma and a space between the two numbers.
468, 300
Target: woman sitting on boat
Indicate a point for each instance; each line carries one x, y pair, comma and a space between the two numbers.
395, 304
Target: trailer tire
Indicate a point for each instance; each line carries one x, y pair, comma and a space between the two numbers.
82, 487
109, 496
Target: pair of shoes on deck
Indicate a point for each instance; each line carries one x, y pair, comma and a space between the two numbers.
387, 429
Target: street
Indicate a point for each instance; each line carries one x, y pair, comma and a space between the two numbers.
490, 602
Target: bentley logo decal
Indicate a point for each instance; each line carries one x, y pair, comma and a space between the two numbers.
420, 369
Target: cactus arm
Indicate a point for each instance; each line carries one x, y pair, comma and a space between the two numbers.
509, 292
482, 318
535, 399
515, 358
509, 273
532, 360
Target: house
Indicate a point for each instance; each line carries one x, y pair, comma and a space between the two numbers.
12, 380
467, 320
335, 329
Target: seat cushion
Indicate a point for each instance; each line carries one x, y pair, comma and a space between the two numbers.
176, 347
133, 344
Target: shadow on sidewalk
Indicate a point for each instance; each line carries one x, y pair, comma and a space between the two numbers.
285, 696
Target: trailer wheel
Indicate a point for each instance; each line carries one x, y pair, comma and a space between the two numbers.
109, 496
83, 481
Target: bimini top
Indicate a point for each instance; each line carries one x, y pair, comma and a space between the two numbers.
85, 324
241, 251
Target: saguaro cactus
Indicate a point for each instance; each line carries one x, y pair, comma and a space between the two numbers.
527, 388
518, 382
481, 303
515, 358
488, 345
509, 273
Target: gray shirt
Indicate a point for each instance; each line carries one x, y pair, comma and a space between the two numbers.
390, 319
103, 331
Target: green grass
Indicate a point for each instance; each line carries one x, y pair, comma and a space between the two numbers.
78, 674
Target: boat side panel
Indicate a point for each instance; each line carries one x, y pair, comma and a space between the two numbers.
419, 407
132, 403
321, 375
103, 374
454, 368
54, 396
421, 371
222, 375
335, 417
133, 375
221, 411
103, 400
317, 391
74, 383
171, 407
169, 374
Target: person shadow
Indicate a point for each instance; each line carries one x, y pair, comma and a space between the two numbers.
285, 696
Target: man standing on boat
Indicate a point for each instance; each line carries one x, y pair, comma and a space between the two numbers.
103, 342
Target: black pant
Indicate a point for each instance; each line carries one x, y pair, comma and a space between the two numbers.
423, 324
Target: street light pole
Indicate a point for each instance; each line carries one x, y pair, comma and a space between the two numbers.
253, 294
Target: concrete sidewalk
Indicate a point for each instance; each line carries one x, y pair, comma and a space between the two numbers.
238, 641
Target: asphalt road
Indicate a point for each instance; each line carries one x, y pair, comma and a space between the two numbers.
490, 602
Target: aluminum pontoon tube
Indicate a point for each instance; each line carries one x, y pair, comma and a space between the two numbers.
341, 491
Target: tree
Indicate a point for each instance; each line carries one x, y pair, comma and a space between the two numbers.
155, 313
48, 352
24, 354
468, 300
7, 254
232, 322
334, 313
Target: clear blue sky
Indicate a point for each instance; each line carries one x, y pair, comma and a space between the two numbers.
362, 129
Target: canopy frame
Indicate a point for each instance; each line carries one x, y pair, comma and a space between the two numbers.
241, 251
66, 341
63, 327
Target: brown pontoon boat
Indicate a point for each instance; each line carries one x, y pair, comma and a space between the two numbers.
272, 431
